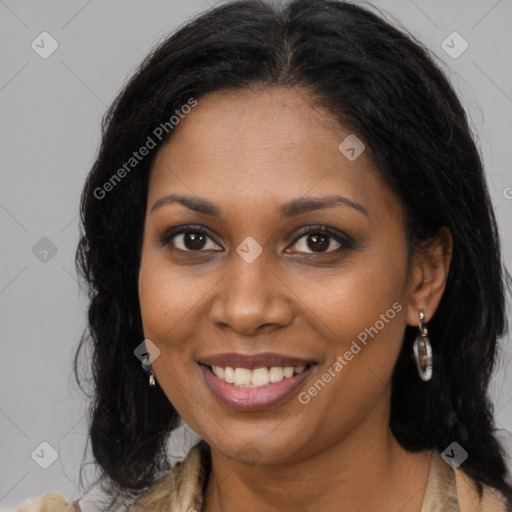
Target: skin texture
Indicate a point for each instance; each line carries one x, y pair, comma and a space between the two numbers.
248, 152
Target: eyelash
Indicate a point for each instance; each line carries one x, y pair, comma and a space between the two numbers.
345, 241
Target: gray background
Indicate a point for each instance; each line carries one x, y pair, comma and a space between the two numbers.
50, 119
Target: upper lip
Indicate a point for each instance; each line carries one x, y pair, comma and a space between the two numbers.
250, 361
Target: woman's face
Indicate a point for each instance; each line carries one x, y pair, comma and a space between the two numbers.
259, 283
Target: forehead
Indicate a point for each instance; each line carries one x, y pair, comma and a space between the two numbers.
259, 146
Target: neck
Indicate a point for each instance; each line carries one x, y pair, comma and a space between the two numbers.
365, 470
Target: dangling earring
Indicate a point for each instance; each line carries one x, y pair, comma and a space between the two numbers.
423, 352
152, 378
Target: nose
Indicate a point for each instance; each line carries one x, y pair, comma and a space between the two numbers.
250, 297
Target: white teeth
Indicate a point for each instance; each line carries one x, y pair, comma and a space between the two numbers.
229, 375
219, 371
260, 377
243, 377
276, 374
257, 377
288, 371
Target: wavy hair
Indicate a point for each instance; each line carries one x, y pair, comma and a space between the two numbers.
382, 84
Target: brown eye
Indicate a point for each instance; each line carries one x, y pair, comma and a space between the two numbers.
194, 241
318, 243
320, 240
189, 240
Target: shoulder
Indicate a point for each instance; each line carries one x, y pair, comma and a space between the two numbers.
46, 502
492, 500
181, 488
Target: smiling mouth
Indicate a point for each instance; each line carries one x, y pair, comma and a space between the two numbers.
256, 377
252, 389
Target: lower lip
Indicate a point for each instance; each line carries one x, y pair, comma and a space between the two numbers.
253, 399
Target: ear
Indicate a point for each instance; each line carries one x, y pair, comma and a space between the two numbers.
428, 275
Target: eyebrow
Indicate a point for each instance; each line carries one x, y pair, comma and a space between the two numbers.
290, 209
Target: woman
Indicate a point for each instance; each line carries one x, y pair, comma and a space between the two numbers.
288, 227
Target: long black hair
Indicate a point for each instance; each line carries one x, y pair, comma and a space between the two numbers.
384, 86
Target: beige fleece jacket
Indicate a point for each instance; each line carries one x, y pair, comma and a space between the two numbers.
181, 490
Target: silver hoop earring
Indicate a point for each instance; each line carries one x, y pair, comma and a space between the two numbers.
152, 378
423, 352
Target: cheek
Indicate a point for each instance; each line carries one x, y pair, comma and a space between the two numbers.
156, 301
371, 305
171, 302
360, 311
352, 297
365, 322
166, 295
163, 302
